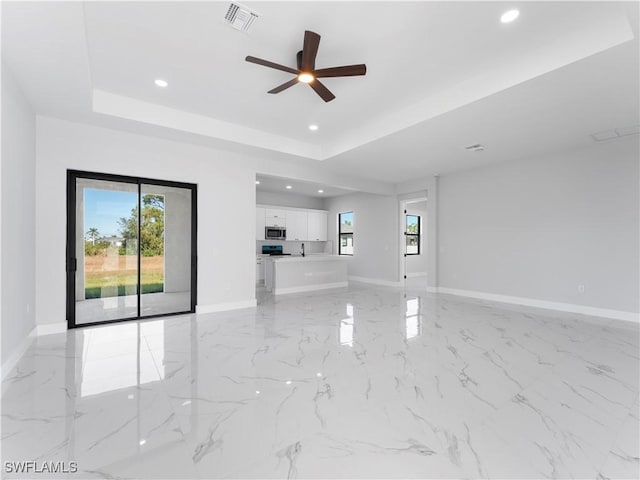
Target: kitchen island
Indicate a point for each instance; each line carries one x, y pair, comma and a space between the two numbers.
291, 274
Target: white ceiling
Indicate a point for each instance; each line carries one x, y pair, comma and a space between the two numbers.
441, 76
274, 184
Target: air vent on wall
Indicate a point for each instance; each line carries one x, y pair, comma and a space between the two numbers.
475, 148
240, 17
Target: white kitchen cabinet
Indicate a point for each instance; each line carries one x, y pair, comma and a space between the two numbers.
260, 223
317, 226
259, 270
275, 217
296, 225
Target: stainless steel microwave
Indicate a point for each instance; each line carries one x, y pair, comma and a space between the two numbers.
275, 233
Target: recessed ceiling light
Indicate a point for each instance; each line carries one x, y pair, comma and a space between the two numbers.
313, 128
161, 83
143, 441
320, 191
288, 187
257, 182
306, 77
509, 16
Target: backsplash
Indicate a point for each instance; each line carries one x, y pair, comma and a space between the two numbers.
296, 247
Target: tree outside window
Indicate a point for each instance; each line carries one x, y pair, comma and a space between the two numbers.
412, 234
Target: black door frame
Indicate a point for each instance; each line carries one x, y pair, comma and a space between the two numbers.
72, 260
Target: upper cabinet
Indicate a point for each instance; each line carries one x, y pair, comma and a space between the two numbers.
275, 217
301, 224
260, 223
296, 225
317, 226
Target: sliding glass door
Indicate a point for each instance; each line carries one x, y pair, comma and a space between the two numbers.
131, 249
165, 237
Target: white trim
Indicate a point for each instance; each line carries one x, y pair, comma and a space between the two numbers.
10, 363
416, 274
531, 302
432, 289
310, 288
223, 307
51, 328
376, 281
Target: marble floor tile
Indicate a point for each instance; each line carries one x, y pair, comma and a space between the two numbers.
363, 382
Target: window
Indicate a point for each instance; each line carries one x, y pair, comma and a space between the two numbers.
413, 235
345, 233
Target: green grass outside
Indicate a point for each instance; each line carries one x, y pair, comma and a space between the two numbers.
97, 292
99, 285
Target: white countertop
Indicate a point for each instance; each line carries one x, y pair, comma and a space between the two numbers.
308, 258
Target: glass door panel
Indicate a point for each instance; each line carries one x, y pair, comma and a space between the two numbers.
165, 250
106, 276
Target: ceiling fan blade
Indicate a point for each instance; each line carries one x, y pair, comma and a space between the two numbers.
267, 63
346, 71
284, 86
309, 51
321, 90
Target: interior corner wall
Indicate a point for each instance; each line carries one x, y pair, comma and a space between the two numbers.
375, 234
226, 192
540, 228
18, 216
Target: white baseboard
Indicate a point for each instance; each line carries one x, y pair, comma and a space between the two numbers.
17, 354
416, 274
224, 307
531, 302
376, 281
51, 328
310, 288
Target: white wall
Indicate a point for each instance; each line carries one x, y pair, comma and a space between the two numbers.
289, 200
375, 233
417, 264
540, 228
18, 216
226, 192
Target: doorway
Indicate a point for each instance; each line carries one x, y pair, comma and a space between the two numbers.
413, 249
131, 248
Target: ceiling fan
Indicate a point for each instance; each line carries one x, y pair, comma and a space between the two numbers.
306, 71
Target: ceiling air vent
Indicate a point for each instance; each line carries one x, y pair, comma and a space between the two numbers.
240, 17
616, 133
475, 148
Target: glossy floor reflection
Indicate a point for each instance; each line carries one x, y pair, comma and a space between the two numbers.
369, 382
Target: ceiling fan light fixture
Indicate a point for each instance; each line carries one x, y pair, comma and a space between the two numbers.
305, 77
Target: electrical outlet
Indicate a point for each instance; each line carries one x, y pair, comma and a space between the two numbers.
580, 289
